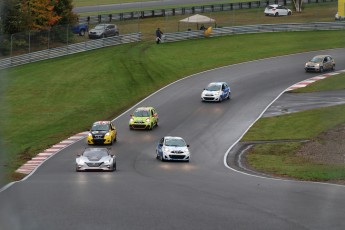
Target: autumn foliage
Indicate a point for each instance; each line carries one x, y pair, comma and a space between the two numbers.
40, 14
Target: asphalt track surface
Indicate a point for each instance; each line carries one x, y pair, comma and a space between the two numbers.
296, 102
145, 193
139, 5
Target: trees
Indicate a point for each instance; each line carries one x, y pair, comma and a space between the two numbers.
64, 8
298, 5
39, 14
11, 17
24, 15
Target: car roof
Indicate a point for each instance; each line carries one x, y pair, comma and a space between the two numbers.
322, 56
171, 137
104, 24
275, 5
218, 83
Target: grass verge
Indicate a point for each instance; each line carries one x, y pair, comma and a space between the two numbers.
283, 159
280, 159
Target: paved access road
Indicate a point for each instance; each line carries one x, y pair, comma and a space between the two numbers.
204, 194
140, 5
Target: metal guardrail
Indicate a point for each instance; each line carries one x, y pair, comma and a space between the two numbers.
69, 49
261, 28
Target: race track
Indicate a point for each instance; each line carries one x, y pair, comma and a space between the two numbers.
204, 194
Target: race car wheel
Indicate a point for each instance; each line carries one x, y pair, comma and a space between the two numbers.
82, 32
228, 96
76, 169
276, 14
114, 167
321, 69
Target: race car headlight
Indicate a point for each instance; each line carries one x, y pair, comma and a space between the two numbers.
216, 93
317, 65
107, 134
165, 149
131, 120
90, 135
80, 162
107, 162
147, 120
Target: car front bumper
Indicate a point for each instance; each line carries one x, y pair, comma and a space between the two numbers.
210, 98
102, 167
312, 68
99, 141
91, 36
176, 157
139, 125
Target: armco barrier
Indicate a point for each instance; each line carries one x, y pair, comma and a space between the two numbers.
69, 49
262, 28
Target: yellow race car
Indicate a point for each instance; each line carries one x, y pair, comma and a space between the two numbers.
102, 132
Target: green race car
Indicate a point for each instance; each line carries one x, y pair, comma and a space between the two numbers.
143, 118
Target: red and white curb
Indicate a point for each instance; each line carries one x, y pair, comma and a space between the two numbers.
313, 79
36, 161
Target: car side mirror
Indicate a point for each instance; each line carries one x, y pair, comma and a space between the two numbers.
112, 155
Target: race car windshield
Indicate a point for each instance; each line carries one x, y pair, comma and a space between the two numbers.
100, 128
175, 142
316, 59
213, 87
141, 113
96, 154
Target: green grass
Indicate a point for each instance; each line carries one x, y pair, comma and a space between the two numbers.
297, 126
46, 102
336, 82
280, 159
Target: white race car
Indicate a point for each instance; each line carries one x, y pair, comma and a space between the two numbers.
216, 91
172, 149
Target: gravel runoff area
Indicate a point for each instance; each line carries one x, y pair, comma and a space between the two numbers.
328, 147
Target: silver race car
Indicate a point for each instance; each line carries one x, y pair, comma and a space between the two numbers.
96, 159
